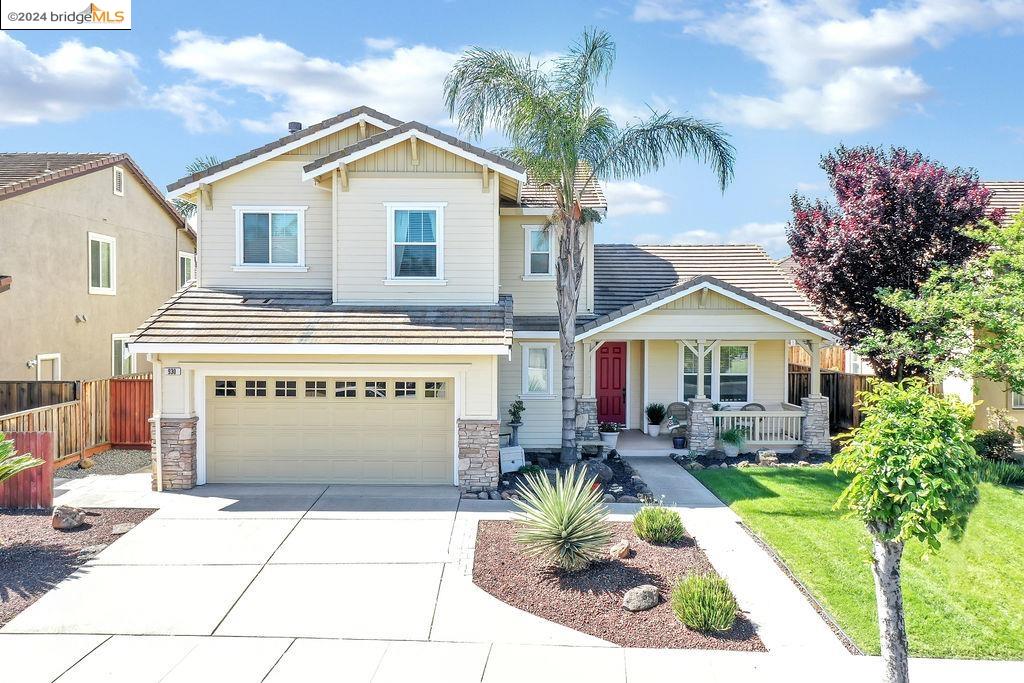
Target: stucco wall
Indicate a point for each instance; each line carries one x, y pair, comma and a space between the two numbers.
994, 395
44, 245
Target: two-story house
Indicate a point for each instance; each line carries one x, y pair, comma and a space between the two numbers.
372, 294
88, 247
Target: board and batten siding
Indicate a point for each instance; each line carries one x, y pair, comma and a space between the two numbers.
469, 240
277, 182
537, 296
333, 143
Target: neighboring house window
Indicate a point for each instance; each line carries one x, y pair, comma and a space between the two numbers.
48, 366
538, 252
690, 374
119, 181
269, 237
1017, 401
122, 363
538, 378
186, 268
102, 264
416, 242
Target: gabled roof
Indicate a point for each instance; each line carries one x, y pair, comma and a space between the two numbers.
22, 172
1007, 195
421, 131
206, 319
283, 145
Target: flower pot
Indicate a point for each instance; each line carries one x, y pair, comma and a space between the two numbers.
654, 430
610, 439
679, 442
731, 451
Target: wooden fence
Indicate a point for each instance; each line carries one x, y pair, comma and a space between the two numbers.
91, 423
16, 396
840, 388
32, 488
832, 357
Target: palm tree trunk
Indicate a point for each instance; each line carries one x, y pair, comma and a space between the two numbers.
885, 565
568, 277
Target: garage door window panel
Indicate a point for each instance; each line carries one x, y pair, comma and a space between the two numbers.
224, 388
434, 390
376, 390
284, 389
345, 389
316, 389
405, 389
255, 388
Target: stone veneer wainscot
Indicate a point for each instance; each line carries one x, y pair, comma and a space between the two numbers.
177, 453
479, 447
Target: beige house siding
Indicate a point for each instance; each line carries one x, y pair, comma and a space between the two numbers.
636, 384
429, 159
469, 242
542, 421
993, 395
537, 296
277, 182
44, 246
334, 142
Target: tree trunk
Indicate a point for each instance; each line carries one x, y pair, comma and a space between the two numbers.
568, 277
885, 565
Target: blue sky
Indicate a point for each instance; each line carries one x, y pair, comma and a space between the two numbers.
788, 80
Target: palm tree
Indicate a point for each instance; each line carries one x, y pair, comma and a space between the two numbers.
11, 463
555, 128
199, 164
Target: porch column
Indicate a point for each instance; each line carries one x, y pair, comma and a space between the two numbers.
815, 349
700, 369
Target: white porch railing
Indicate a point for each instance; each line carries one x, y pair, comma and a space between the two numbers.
774, 427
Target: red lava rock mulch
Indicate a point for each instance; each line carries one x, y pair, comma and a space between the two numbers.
35, 557
591, 600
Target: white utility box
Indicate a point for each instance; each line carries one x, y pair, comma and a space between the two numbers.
512, 458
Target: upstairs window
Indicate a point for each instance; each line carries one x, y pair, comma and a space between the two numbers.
122, 363
415, 248
270, 237
1017, 401
538, 252
102, 264
119, 181
186, 268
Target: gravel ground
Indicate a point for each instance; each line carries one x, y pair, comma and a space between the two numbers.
114, 461
35, 557
591, 600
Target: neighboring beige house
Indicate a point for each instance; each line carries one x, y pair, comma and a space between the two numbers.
372, 294
89, 247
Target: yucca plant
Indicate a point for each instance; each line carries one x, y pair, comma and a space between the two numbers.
704, 603
564, 523
1002, 472
11, 463
657, 524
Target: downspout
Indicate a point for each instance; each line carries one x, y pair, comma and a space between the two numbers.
158, 372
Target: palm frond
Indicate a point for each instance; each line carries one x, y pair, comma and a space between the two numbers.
12, 463
587, 63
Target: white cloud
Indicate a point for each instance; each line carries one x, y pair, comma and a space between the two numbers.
771, 236
647, 238
629, 198
380, 44
65, 84
834, 67
803, 186
663, 10
407, 82
195, 106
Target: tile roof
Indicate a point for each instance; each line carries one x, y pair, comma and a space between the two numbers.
405, 128
22, 172
281, 142
626, 274
1008, 195
210, 316
544, 195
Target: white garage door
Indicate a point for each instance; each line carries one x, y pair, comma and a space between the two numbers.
330, 430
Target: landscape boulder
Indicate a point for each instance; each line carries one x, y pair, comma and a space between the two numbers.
602, 472
67, 517
620, 550
767, 457
641, 598
716, 454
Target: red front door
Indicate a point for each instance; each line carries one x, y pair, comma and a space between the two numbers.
611, 382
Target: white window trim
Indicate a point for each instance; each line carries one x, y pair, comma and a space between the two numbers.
118, 171
191, 257
528, 231
550, 350
112, 289
241, 266
713, 392
438, 208
132, 366
55, 357
1016, 401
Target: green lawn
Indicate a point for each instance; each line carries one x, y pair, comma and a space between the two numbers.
965, 601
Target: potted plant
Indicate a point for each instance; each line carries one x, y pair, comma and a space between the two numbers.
609, 432
733, 441
515, 420
655, 416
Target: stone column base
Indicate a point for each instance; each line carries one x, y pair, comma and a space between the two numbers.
479, 449
815, 434
700, 431
586, 419
177, 452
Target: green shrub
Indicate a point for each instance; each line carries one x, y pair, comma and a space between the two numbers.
1001, 472
564, 523
737, 436
994, 444
656, 524
704, 603
531, 469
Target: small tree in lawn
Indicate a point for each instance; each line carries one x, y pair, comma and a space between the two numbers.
914, 477
897, 219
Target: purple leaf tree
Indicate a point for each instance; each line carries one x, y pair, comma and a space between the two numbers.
897, 217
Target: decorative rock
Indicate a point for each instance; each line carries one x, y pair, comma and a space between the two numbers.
67, 517
801, 453
86, 463
619, 551
627, 499
543, 462
694, 466
641, 598
598, 469
803, 463
767, 457
745, 463
608, 498
483, 495
119, 529
469, 494
495, 495
716, 454
91, 551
